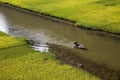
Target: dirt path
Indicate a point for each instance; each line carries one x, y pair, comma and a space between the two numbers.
69, 56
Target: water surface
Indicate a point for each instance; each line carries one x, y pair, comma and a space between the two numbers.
3, 24
101, 49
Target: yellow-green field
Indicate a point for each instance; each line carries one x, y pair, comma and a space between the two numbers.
94, 14
19, 62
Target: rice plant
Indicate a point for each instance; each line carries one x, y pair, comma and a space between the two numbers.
95, 14
19, 62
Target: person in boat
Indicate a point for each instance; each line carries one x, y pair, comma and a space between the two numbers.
77, 45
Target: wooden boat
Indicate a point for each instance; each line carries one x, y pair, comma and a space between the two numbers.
79, 46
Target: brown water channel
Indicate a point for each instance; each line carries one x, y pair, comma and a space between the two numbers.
101, 49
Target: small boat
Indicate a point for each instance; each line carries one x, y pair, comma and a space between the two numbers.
79, 46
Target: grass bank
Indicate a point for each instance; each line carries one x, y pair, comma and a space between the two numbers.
94, 14
19, 62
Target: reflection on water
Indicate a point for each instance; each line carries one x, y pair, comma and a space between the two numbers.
38, 46
42, 48
3, 24
103, 50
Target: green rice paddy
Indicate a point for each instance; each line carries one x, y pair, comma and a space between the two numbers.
95, 14
19, 62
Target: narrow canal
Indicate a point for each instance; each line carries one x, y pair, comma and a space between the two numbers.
101, 49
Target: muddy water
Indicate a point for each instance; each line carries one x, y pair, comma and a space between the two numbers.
101, 49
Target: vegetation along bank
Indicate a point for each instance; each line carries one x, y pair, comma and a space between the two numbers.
18, 61
92, 14
24, 63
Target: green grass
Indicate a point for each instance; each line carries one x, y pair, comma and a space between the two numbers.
19, 62
95, 14
10, 42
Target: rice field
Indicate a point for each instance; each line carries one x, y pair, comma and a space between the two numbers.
19, 62
95, 14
